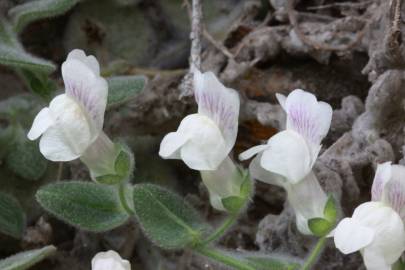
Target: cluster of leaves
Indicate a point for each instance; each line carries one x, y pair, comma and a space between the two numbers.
21, 156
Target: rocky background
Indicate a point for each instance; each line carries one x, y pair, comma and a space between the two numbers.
349, 53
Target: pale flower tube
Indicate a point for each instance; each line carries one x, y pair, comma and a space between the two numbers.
288, 157
73, 120
224, 182
109, 260
376, 228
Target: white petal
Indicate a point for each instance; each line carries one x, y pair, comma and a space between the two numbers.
350, 235
257, 172
197, 141
205, 149
219, 103
374, 260
90, 61
41, 123
308, 200
394, 189
388, 227
382, 176
100, 156
55, 147
171, 144
70, 135
307, 116
225, 181
216, 201
87, 88
109, 260
281, 99
252, 151
288, 155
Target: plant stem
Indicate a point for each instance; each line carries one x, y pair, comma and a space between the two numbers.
229, 221
314, 254
220, 256
123, 199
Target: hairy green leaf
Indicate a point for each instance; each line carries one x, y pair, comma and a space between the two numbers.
25, 160
17, 58
7, 35
38, 9
123, 88
87, 205
12, 218
166, 218
26, 259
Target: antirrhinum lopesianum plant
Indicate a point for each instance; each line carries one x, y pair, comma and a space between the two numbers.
376, 228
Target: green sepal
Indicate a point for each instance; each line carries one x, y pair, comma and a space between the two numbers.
124, 166
319, 226
86, 205
330, 211
12, 217
166, 218
233, 204
26, 259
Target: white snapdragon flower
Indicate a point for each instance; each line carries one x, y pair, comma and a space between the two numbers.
204, 139
71, 127
73, 120
376, 228
109, 260
288, 157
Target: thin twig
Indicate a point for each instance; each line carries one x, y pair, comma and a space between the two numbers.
208, 36
195, 52
311, 43
395, 31
344, 4
195, 35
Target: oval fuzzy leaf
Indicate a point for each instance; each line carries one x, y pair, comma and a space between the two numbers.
25, 160
26, 259
17, 58
166, 218
12, 217
38, 9
87, 205
123, 88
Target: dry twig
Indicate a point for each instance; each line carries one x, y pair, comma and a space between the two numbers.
195, 52
316, 45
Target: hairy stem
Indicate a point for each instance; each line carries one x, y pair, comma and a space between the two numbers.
123, 199
313, 257
220, 256
229, 221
